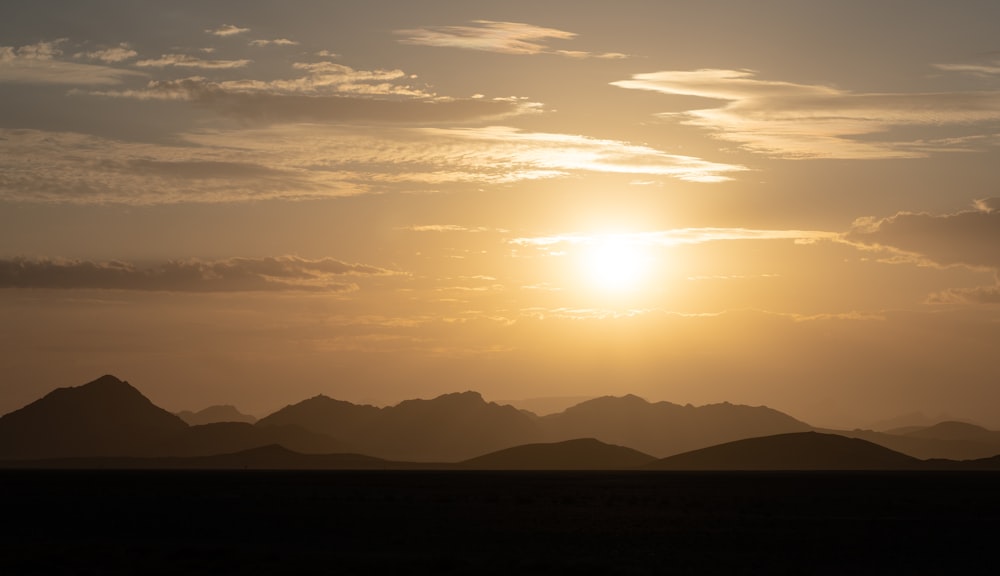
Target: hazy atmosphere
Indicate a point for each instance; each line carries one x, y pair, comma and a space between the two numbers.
782, 203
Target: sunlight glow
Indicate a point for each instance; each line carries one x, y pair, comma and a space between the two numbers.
615, 263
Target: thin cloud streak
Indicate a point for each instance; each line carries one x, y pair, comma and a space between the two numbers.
226, 30
284, 273
790, 120
500, 37
677, 237
274, 42
562, 153
187, 61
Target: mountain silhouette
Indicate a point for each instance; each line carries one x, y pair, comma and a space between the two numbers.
213, 414
663, 428
108, 418
954, 430
229, 437
579, 454
794, 451
946, 440
449, 428
335, 418
105, 417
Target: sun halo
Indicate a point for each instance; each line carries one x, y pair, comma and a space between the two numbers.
614, 264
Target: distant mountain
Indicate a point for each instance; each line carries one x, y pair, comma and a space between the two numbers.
579, 454
663, 428
949, 440
229, 437
545, 405
954, 430
991, 463
909, 420
335, 418
109, 418
213, 414
795, 451
448, 428
106, 417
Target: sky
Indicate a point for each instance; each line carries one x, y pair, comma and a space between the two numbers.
783, 203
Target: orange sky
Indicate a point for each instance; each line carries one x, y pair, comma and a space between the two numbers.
782, 203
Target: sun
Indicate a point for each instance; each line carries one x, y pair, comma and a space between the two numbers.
614, 263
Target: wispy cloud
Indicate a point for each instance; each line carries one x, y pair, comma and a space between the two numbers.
283, 273
40, 64
790, 120
985, 66
314, 79
977, 295
61, 167
187, 61
112, 55
297, 161
226, 30
323, 100
557, 154
274, 42
323, 91
676, 237
501, 37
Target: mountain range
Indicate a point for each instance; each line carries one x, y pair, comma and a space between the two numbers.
109, 423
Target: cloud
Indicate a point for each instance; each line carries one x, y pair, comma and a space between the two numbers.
226, 30
986, 66
113, 55
314, 160
186, 61
274, 42
193, 169
790, 120
283, 273
968, 238
977, 295
39, 64
501, 37
289, 108
62, 167
548, 154
677, 237
325, 92
987, 204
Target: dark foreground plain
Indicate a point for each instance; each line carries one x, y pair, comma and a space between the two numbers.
257, 522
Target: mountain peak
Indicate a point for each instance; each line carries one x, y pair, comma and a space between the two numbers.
106, 382
469, 396
216, 413
106, 416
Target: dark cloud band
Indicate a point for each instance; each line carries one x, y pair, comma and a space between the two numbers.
284, 273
